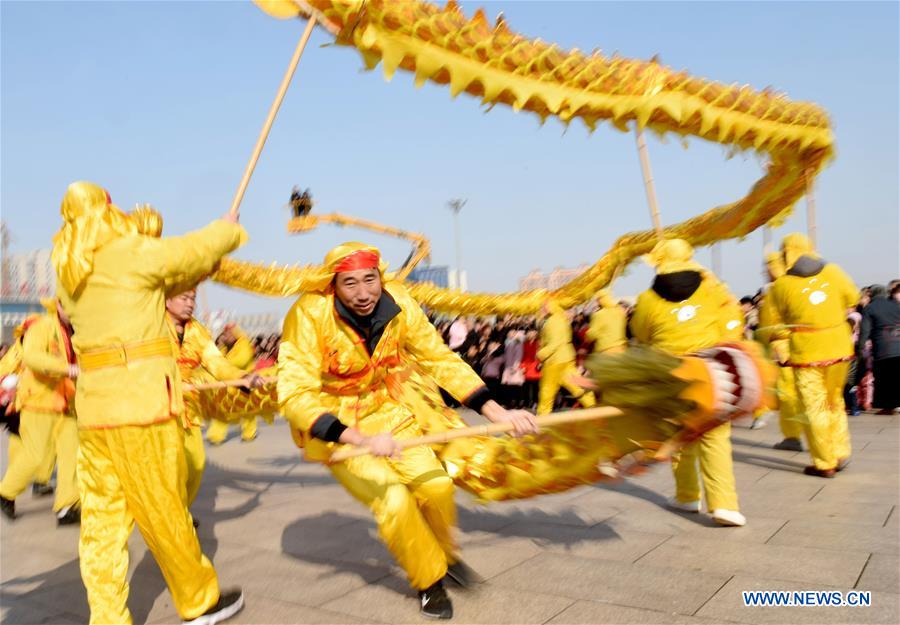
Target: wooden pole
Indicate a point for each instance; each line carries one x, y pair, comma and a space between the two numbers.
716, 253
558, 418
208, 386
810, 210
273, 111
648, 182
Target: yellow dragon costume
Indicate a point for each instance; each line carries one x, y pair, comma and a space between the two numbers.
490, 61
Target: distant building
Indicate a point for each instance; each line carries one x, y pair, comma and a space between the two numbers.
24, 280
438, 275
551, 280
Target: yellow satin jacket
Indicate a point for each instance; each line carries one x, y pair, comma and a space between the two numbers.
199, 360
683, 327
556, 340
732, 317
607, 329
12, 359
771, 334
324, 367
814, 311
44, 385
123, 302
241, 355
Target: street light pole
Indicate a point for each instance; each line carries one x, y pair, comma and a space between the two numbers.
456, 205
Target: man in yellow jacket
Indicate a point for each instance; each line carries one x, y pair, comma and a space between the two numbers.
238, 349
352, 348
776, 338
686, 310
607, 328
557, 356
10, 369
131, 463
811, 300
47, 429
199, 360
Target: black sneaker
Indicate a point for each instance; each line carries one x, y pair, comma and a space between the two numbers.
69, 516
196, 523
434, 602
789, 444
462, 574
41, 490
815, 472
230, 603
8, 507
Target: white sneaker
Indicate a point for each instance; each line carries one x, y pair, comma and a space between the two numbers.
230, 603
693, 506
729, 518
758, 424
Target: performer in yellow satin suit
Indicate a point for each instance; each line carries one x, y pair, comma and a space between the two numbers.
239, 351
47, 429
347, 364
131, 464
812, 299
607, 329
557, 356
199, 360
686, 310
777, 339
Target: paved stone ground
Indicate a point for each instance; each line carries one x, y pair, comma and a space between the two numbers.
305, 552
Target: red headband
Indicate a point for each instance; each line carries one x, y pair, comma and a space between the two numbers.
362, 259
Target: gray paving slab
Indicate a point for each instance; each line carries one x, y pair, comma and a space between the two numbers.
21, 612
782, 482
800, 564
592, 612
838, 536
148, 598
487, 603
274, 575
493, 555
757, 530
648, 586
882, 574
785, 505
306, 552
275, 612
601, 541
728, 604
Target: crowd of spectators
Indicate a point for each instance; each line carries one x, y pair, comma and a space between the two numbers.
503, 350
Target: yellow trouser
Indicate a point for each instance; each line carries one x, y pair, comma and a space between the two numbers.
248, 428
138, 473
218, 430
44, 472
66, 436
821, 393
29, 459
789, 410
412, 500
713, 451
554, 376
195, 455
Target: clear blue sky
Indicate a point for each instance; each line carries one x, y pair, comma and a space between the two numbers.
161, 102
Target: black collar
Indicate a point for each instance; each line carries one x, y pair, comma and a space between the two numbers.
371, 327
677, 286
